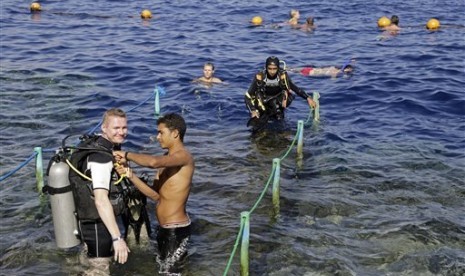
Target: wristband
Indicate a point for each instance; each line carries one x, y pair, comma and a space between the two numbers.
126, 155
117, 239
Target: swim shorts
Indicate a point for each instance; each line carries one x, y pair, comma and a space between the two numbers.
172, 248
97, 238
306, 71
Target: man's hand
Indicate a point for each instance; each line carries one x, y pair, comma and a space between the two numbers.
120, 156
121, 251
255, 114
311, 103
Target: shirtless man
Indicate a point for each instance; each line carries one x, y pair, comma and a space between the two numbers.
208, 71
170, 189
394, 26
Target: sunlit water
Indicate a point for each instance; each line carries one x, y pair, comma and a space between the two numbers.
380, 190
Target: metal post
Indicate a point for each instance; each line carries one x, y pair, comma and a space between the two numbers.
39, 169
300, 142
316, 112
157, 101
276, 178
245, 219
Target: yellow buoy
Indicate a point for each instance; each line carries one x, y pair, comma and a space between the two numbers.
383, 21
146, 14
35, 7
257, 20
433, 24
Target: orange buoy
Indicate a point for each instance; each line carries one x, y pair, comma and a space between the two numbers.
146, 14
383, 21
35, 7
433, 24
256, 20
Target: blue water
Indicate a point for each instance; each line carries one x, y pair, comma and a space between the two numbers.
380, 190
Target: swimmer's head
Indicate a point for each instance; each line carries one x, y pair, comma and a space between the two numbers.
294, 13
395, 20
348, 69
310, 20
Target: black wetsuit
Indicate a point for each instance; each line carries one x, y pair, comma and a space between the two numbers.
267, 95
92, 229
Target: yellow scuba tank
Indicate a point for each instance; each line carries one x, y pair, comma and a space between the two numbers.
62, 204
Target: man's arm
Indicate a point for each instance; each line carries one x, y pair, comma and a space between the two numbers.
179, 158
300, 92
101, 173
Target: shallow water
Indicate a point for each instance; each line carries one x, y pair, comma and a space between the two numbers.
380, 190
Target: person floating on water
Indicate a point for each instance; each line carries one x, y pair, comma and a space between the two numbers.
309, 25
208, 72
394, 26
294, 18
170, 189
327, 71
270, 93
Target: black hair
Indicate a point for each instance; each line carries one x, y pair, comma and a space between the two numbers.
174, 121
395, 20
272, 60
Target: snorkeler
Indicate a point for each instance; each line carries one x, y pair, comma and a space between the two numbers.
327, 71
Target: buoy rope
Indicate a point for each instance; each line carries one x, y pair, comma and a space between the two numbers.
262, 194
5, 176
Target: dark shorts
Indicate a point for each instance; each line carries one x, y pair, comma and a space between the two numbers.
172, 248
97, 238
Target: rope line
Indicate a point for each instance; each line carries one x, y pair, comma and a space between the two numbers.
239, 234
262, 194
5, 176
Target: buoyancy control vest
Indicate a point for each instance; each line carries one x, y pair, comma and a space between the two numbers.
273, 95
82, 187
272, 87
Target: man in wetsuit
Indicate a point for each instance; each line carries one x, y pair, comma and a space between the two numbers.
170, 189
271, 92
95, 203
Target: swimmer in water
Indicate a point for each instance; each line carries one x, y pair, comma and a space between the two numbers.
208, 72
327, 71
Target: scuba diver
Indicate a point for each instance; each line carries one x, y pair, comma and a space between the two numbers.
270, 93
100, 198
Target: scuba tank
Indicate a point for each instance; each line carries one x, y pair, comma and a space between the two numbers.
62, 204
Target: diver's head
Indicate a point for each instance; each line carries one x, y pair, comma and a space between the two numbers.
272, 66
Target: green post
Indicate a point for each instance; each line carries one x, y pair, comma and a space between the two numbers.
316, 112
245, 219
300, 141
39, 169
276, 178
157, 101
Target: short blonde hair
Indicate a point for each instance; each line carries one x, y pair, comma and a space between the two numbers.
293, 13
113, 112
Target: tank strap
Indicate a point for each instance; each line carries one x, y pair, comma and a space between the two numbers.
55, 191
